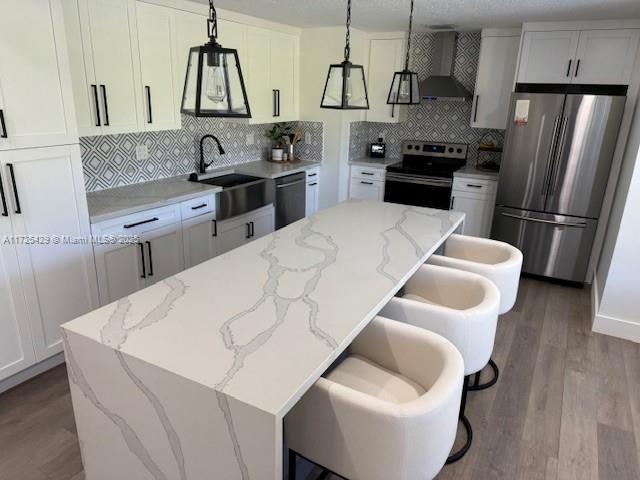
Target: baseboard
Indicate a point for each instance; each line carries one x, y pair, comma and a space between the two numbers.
31, 372
614, 327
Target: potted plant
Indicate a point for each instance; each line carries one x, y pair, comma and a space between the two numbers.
277, 133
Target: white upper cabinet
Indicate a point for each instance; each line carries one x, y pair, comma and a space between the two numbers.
283, 75
262, 98
36, 99
548, 57
598, 56
156, 44
190, 31
494, 82
386, 56
606, 57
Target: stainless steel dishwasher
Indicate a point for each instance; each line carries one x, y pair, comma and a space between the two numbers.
290, 198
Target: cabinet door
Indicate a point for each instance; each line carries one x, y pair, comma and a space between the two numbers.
37, 101
262, 97
121, 271
366, 189
313, 189
109, 26
606, 57
233, 233
283, 76
58, 276
494, 83
164, 252
478, 210
200, 237
16, 346
190, 31
548, 57
385, 58
155, 40
263, 223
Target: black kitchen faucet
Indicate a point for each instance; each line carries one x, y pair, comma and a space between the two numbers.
203, 165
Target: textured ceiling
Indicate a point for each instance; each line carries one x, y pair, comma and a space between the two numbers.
391, 15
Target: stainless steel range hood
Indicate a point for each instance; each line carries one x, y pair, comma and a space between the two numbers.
442, 84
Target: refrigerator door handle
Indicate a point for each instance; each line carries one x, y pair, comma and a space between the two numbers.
554, 174
550, 222
550, 156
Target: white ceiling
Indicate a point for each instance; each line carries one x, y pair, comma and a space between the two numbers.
392, 15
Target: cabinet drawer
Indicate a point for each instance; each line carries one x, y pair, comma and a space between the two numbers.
313, 174
367, 173
474, 185
198, 206
139, 223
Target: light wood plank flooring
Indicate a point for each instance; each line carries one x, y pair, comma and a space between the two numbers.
567, 405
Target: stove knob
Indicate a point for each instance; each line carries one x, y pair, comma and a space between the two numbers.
409, 147
450, 149
459, 150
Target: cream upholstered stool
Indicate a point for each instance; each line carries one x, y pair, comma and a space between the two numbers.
462, 307
388, 411
498, 261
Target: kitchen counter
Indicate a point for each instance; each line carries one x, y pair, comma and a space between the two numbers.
192, 376
374, 162
264, 169
470, 171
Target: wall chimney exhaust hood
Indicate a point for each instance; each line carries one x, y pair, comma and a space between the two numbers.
442, 84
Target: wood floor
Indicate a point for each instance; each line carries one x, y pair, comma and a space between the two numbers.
567, 405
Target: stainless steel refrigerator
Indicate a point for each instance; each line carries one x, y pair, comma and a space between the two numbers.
555, 168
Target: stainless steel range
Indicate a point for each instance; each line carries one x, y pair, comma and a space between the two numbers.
424, 177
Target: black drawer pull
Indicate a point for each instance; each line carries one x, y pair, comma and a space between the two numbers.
148, 89
5, 212
313, 184
15, 188
577, 68
312, 175
215, 228
4, 126
569, 68
131, 225
97, 103
199, 207
150, 259
367, 173
367, 183
106, 105
472, 185
248, 224
144, 265
253, 227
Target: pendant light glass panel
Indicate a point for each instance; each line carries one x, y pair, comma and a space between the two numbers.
345, 88
404, 89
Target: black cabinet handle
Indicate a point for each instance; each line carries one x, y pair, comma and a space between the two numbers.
248, 224
199, 207
453, 201
367, 173
15, 188
569, 68
97, 102
5, 212
253, 229
215, 228
473, 185
150, 259
148, 89
313, 184
131, 225
367, 183
577, 68
312, 175
3, 125
275, 103
278, 102
106, 105
144, 265
475, 112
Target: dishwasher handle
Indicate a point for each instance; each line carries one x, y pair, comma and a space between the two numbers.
290, 184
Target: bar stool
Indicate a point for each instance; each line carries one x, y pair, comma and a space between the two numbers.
462, 307
388, 410
498, 261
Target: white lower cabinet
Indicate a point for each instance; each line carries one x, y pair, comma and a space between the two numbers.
237, 231
47, 274
312, 194
476, 198
367, 183
164, 253
200, 235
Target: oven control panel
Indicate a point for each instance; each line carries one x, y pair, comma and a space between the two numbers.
431, 149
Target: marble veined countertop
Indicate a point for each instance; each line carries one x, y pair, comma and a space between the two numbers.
261, 323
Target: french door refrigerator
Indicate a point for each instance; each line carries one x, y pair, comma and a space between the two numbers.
554, 172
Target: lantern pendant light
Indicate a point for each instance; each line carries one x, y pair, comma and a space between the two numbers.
214, 86
404, 87
346, 87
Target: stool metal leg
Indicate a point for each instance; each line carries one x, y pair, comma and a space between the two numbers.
454, 457
482, 386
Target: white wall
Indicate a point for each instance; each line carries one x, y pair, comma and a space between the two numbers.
319, 48
617, 289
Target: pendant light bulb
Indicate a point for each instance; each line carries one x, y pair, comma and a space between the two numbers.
215, 89
405, 89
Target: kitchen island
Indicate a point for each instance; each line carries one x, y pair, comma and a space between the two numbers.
191, 378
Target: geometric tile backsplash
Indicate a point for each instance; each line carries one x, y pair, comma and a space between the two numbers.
437, 121
110, 160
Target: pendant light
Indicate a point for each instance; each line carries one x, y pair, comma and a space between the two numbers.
404, 87
346, 87
214, 86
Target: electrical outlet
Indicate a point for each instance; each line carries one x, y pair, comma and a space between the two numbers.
307, 138
251, 139
142, 152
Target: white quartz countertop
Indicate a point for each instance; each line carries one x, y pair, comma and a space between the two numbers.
262, 322
119, 201
264, 169
374, 162
470, 171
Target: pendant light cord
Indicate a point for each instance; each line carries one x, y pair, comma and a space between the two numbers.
406, 62
212, 23
347, 47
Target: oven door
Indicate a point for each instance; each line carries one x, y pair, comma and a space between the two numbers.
420, 191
